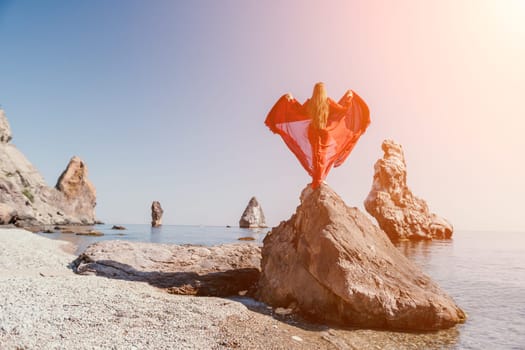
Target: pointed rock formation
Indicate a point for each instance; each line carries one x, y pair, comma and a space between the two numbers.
79, 192
156, 214
25, 192
253, 216
334, 265
399, 213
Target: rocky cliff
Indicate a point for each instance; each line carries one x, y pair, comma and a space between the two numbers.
331, 263
398, 211
26, 198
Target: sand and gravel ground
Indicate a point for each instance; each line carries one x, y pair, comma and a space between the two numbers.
44, 305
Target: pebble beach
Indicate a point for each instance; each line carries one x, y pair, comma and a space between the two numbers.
44, 305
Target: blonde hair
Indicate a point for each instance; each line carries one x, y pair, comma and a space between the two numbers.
317, 107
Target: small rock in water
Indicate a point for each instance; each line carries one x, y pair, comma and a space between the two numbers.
246, 239
90, 233
282, 311
118, 227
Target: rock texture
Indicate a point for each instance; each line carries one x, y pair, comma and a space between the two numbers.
5, 130
399, 213
223, 270
7, 214
25, 192
331, 263
253, 216
80, 194
156, 214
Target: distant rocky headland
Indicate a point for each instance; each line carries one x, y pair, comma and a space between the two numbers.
26, 199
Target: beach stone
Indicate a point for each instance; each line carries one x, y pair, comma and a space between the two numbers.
223, 270
253, 216
118, 227
398, 211
338, 267
5, 129
156, 214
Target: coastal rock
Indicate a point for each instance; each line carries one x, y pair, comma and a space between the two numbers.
23, 189
79, 192
156, 214
7, 214
399, 213
223, 270
253, 216
5, 130
334, 265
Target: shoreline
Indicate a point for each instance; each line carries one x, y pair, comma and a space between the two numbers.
48, 306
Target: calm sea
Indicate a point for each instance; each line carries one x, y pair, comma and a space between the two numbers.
483, 271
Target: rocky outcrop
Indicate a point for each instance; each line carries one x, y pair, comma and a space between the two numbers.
7, 214
5, 130
79, 192
332, 264
156, 214
223, 270
399, 213
253, 216
25, 192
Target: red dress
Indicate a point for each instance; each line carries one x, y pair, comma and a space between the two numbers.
320, 149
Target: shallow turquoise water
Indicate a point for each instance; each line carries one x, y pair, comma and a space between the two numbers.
483, 271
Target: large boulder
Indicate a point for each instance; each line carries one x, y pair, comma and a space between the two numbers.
24, 190
399, 213
253, 216
223, 270
332, 264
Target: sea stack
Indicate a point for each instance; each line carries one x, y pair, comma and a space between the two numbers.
156, 214
332, 264
80, 194
29, 201
253, 216
399, 213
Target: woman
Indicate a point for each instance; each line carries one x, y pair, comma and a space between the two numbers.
321, 132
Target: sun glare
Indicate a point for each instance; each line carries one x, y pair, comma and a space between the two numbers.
510, 15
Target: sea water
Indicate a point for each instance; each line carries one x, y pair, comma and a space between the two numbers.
483, 271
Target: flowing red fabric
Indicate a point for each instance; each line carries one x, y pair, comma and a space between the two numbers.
319, 150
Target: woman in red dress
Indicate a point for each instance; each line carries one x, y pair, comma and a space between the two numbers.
321, 132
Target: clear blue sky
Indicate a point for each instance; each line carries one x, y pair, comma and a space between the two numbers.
165, 100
